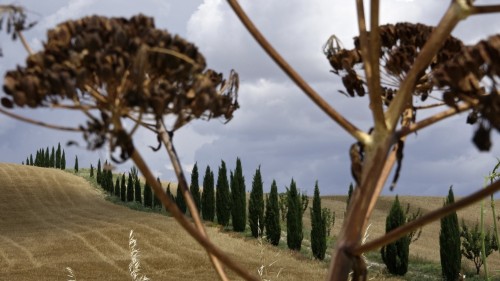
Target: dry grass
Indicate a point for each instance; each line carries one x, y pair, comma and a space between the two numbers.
50, 220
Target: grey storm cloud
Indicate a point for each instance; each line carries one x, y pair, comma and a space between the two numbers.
277, 126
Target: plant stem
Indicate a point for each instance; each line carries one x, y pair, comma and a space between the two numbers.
39, 123
425, 219
483, 245
301, 83
174, 158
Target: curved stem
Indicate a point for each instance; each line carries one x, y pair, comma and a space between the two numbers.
174, 158
301, 83
426, 219
38, 123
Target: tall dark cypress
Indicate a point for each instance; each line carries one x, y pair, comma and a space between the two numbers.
395, 255
195, 187
91, 171
222, 197
130, 188
116, 190
179, 200
76, 164
58, 156
349, 194
169, 193
137, 189
156, 201
208, 196
272, 219
318, 227
123, 189
63, 161
256, 205
110, 182
239, 203
99, 171
449, 243
52, 161
294, 219
31, 159
148, 196
46, 158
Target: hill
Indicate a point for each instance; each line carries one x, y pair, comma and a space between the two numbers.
51, 219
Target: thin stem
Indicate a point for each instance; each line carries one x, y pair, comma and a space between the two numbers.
433, 119
38, 123
485, 9
174, 54
174, 158
456, 12
25, 43
374, 55
426, 219
428, 106
301, 83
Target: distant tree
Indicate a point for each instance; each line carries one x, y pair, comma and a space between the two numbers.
195, 187
471, 244
349, 194
169, 192
272, 219
179, 200
46, 158
110, 182
63, 161
283, 204
304, 201
52, 160
256, 205
395, 255
130, 188
58, 156
31, 160
137, 189
238, 192
99, 171
116, 190
318, 227
156, 201
148, 196
76, 164
27, 161
123, 189
208, 196
222, 197
91, 171
294, 219
329, 217
449, 243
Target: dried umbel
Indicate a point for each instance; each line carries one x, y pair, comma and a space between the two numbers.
472, 77
400, 46
122, 67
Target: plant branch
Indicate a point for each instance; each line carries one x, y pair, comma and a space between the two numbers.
485, 9
428, 106
24, 42
432, 119
174, 158
457, 11
426, 219
39, 123
301, 83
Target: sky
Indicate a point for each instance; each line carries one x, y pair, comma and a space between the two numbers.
277, 127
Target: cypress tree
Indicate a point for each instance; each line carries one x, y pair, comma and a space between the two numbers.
98, 174
156, 201
294, 219
208, 196
195, 187
110, 182
148, 196
239, 209
46, 159
137, 189
52, 161
27, 161
117, 187
222, 197
256, 206
58, 156
272, 220
179, 200
449, 243
63, 161
123, 189
76, 164
395, 255
349, 194
169, 192
91, 171
318, 227
31, 159
130, 188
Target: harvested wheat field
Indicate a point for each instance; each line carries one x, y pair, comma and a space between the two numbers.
51, 219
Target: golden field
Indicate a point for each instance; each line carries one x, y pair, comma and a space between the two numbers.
52, 219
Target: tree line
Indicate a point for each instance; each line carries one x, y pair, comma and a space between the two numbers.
47, 158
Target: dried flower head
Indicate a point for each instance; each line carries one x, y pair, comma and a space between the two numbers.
121, 67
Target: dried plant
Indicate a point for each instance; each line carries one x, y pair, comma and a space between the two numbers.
71, 274
134, 266
114, 69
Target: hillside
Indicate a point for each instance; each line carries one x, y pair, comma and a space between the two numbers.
51, 219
